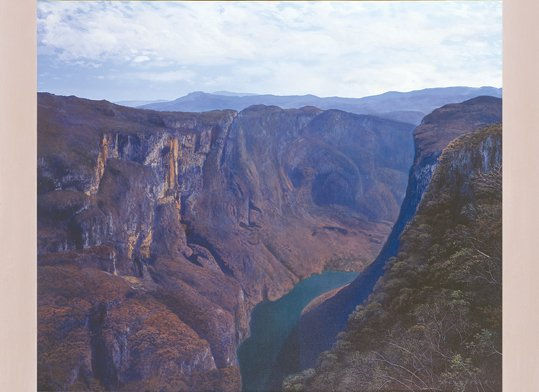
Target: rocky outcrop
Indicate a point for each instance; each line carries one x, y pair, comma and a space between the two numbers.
318, 328
433, 321
159, 232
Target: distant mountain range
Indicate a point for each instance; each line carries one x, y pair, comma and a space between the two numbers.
408, 107
135, 103
138, 103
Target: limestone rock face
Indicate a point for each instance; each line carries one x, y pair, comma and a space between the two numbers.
159, 231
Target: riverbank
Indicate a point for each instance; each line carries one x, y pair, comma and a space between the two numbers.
272, 322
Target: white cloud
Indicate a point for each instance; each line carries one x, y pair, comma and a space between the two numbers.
325, 48
167, 76
141, 59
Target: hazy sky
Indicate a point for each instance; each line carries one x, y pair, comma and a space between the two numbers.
143, 50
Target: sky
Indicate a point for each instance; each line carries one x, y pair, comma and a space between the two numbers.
164, 50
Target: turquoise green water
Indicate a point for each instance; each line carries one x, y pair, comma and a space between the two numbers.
272, 322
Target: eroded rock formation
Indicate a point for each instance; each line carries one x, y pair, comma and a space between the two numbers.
158, 232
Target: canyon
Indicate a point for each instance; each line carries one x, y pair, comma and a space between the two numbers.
158, 232
434, 320
314, 333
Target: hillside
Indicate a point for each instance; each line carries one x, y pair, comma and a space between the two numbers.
318, 328
434, 319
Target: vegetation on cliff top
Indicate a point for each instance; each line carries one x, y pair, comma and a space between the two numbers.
434, 320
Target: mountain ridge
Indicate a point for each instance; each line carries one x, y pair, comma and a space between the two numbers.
409, 106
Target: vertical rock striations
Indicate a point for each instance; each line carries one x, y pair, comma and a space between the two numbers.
158, 232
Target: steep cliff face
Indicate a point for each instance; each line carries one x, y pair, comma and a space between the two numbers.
434, 319
158, 232
113, 252
318, 328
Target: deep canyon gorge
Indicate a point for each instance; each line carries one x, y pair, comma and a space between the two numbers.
159, 232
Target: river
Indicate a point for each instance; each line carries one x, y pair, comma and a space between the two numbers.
272, 322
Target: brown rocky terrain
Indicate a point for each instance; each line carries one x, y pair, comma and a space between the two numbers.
159, 231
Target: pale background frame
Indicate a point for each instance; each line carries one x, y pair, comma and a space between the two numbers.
18, 195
